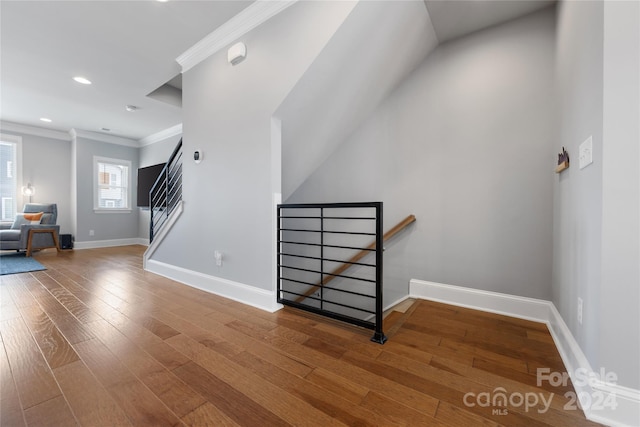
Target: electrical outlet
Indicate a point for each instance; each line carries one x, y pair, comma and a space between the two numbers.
92, 233
218, 256
579, 310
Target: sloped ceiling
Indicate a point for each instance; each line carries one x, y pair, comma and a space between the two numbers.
456, 18
378, 45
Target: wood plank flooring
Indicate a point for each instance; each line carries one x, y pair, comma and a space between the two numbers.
94, 340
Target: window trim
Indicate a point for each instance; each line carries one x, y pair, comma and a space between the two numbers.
96, 185
17, 168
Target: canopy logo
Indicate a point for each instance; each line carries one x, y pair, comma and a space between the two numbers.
500, 400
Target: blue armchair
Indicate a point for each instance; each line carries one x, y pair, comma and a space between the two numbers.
14, 236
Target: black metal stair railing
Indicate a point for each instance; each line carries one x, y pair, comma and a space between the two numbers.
314, 239
166, 192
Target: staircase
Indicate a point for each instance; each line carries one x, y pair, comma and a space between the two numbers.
357, 257
395, 317
327, 263
165, 201
166, 193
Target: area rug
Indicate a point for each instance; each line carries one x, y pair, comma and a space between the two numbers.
18, 263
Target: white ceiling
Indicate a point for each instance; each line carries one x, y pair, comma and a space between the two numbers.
128, 49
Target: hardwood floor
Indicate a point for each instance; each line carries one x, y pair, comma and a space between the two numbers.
96, 341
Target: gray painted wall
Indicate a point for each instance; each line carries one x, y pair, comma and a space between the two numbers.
150, 155
46, 164
158, 152
578, 193
596, 209
74, 187
465, 144
229, 197
376, 47
596, 212
107, 226
62, 172
620, 289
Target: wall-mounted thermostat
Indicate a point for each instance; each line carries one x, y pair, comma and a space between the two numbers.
197, 156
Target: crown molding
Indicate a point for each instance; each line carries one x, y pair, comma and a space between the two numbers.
255, 14
109, 139
162, 135
79, 133
34, 130
7, 137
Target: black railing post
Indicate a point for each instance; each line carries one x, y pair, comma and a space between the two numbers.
378, 335
150, 217
321, 258
297, 280
279, 252
166, 194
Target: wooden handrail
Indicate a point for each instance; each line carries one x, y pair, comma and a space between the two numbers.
364, 252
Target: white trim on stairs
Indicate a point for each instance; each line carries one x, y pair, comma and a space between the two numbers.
591, 392
158, 238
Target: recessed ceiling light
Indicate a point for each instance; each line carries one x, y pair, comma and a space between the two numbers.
105, 129
82, 80
44, 119
130, 108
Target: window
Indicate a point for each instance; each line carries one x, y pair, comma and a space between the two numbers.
112, 184
8, 208
9, 156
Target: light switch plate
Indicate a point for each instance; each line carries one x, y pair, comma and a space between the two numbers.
585, 154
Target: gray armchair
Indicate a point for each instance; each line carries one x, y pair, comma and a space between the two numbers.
17, 238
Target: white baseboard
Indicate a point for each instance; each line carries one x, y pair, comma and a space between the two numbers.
94, 244
250, 295
627, 400
510, 305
